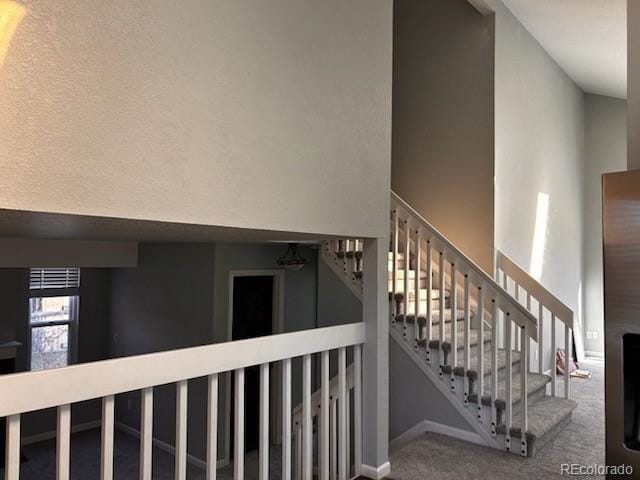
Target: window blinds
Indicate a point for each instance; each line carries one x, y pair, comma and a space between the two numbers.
54, 278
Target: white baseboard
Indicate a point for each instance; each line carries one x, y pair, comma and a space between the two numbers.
427, 426
591, 354
42, 437
165, 447
376, 473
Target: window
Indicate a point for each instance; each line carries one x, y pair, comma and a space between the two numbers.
53, 316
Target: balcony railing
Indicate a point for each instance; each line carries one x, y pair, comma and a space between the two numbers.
60, 388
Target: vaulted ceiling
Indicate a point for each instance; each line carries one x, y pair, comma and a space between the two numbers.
587, 38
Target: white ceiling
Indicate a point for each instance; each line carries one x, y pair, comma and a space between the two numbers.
588, 39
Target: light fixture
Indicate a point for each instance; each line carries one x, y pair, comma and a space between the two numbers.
11, 14
292, 260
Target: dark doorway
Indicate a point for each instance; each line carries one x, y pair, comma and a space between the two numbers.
253, 316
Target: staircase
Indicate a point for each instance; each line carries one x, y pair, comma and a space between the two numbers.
471, 336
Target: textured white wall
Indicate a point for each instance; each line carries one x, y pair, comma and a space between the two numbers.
606, 152
272, 115
539, 149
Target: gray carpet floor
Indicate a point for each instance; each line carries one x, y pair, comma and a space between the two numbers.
85, 460
582, 442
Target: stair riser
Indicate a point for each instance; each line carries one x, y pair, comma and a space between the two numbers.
517, 406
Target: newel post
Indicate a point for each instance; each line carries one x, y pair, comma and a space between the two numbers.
375, 408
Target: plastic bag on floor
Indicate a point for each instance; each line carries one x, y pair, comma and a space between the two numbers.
561, 363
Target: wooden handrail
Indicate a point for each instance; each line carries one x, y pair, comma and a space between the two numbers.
26, 392
535, 288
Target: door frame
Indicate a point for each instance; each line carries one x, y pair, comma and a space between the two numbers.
276, 376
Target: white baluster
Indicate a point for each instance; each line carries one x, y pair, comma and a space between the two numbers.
12, 449
416, 289
553, 354
516, 334
286, 419
494, 365
263, 453
146, 434
524, 360
480, 380
528, 340
467, 337
212, 426
63, 442
407, 256
298, 462
307, 430
342, 412
453, 303
508, 417
540, 337
394, 267
347, 442
324, 418
568, 352
181, 431
238, 449
429, 295
357, 405
106, 447
442, 329
333, 440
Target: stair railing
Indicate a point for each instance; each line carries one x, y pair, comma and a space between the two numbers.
415, 239
524, 286
332, 418
62, 387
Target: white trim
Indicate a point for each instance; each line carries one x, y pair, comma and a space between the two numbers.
376, 473
277, 327
466, 413
590, 354
171, 450
42, 437
427, 426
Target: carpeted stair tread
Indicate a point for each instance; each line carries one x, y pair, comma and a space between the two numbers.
472, 373
545, 417
435, 317
535, 381
473, 338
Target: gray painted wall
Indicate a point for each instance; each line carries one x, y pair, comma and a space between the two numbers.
178, 298
413, 398
337, 305
164, 304
443, 101
606, 151
539, 132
